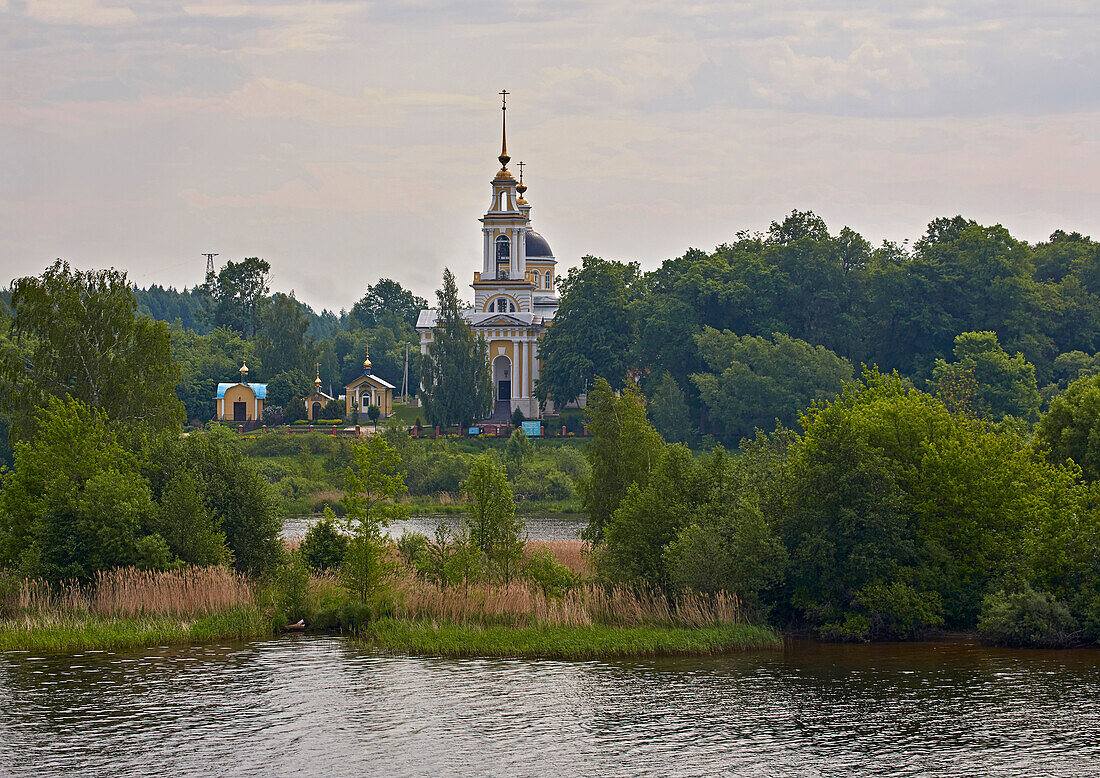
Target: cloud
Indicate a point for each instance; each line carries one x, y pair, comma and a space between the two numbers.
89, 13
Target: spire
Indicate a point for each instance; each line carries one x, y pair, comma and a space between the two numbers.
522, 187
503, 129
366, 363
317, 380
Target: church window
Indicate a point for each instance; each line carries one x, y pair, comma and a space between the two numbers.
549, 280
502, 305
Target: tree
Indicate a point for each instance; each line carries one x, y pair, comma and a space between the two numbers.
592, 332
754, 381
83, 340
374, 479
456, 384
373, 412
668, 410
385, 301
238, 295
238, 501
623, 449
1070, 429
281, 342
490, 519
291, 386
1004, 385
518, 453
75, 503
324, 546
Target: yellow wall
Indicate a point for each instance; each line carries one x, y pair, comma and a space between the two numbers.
235, 394
383, 397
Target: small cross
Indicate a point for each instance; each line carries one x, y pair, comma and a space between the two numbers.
504, 98
520, 166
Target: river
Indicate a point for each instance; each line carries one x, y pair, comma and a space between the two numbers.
551, 526
323, 705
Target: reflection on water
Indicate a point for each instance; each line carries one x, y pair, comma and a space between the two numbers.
557, 526
323, 706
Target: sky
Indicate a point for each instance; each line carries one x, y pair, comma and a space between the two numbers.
350, 141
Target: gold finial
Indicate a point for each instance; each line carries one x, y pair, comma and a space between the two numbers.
244, 370
366, 362
503, 130
317, 380
521, 188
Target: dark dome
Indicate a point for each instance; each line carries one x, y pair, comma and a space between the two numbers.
537, 245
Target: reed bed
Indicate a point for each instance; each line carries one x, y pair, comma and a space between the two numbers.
127, 592
523, 604
571, 553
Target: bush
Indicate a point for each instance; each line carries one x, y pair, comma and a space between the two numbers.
1026, 618
413, 547
548, 573
292, 591
518, 418
324, 546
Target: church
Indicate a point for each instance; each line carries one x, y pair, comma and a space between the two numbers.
514, 292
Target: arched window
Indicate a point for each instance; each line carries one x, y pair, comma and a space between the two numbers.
502, 305
549, 280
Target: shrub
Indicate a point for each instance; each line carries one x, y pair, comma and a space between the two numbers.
413, 547
518, 418
324, 546
1026, 618
548, 573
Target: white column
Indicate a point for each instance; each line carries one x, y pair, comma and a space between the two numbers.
515, 368
488, 259
522, 346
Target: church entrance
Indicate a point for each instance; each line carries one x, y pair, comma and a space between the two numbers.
316, 411
502, 377
240, 411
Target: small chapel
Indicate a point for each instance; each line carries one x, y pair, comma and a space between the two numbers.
242, 401
514, 292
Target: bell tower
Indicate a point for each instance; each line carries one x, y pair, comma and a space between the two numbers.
504, 228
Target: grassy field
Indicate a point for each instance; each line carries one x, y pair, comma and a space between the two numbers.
558, 642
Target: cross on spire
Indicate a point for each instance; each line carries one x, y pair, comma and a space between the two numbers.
520, 165
504, 129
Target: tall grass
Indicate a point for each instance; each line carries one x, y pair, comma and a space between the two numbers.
571, 553
127, 592
520, 604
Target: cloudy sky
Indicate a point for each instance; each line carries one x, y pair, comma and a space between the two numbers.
347, 141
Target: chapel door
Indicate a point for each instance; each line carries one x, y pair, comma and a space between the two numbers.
316, 411
504, 390
240, 411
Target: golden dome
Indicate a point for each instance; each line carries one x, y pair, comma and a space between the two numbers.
244, 369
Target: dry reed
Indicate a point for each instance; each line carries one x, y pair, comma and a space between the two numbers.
520, 603
128, 592
571, 553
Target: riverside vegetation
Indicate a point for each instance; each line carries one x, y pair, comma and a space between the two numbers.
955, 495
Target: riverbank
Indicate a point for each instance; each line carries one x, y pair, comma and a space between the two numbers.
54, 633
421, 638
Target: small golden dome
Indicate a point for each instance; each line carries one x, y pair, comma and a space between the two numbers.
503, 175
244, 369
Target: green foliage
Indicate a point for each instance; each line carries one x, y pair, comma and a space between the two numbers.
385, 300
281, 342
75, 503
324, 546
83, 340
1004, 385
187, 526
548, 573
238, 501
205, 361
518, 453
668, 410
289, 387
455, 372
755, 381
1026, 618
238, 295
373, 412
491, 523
518, 418
1070, 429
592, 333
292, 589
622, 451
373, 480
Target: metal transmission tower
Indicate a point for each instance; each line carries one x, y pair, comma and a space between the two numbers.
210, 264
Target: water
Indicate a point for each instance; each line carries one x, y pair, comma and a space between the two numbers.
324, 706
556, 526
